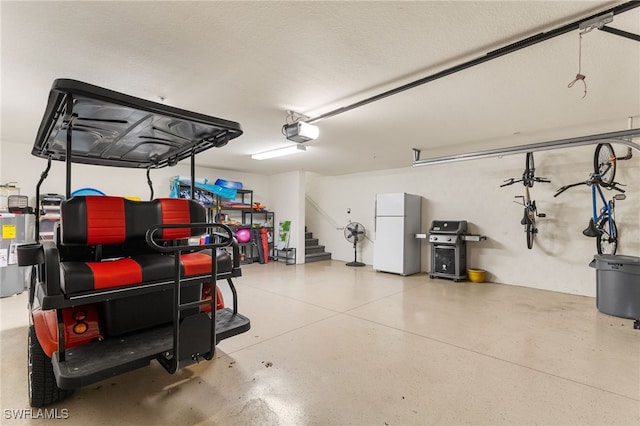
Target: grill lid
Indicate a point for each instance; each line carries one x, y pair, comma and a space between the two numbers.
457, 227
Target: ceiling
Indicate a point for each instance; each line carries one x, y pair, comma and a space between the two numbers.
252, 61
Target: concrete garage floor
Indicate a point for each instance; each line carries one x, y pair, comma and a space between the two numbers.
337, 345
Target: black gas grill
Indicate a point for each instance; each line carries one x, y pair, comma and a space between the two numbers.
448, 241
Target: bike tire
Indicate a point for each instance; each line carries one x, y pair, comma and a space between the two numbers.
604, 162
607, 240
529, 226
530, 232
529, 170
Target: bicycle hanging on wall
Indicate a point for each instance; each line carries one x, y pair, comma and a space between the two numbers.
602, 224
530, 209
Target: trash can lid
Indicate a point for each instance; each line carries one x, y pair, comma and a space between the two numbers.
617, 258
619, 263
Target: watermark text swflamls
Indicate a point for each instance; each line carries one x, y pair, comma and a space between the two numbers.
36, 413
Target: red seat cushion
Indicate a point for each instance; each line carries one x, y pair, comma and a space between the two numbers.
78, 277
195, 264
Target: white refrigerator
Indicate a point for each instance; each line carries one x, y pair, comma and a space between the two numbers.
396, 248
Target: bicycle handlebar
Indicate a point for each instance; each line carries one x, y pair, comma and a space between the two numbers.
511, 181
594, 180
564, 188
612, 185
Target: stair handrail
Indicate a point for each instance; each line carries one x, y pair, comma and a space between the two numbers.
323, 213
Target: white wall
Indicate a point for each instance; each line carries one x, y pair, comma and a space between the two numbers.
18, 165
286, 194
469, 190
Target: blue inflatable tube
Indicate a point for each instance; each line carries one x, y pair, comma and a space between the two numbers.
213, 189
87, 191
218, 190
228, 184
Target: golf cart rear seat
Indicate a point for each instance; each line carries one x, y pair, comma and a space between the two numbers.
110, 232
102, 247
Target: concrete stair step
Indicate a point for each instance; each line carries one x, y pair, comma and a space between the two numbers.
317, 257
313, 249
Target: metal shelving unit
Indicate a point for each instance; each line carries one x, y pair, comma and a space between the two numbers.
248, 217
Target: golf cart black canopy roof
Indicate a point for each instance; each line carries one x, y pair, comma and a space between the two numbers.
113, 129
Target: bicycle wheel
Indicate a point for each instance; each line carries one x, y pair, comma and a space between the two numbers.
529, 226
529, 170
604, 162
530, 231
607, 239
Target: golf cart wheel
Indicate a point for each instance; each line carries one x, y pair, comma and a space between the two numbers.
43, 389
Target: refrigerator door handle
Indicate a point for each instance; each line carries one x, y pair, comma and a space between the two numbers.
375, 215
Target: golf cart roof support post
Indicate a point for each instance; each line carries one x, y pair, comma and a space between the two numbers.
43, 176
68, 157
69, 117
621, 137
513, 47
193, 173
149, 182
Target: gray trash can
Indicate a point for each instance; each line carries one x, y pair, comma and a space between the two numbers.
618, 285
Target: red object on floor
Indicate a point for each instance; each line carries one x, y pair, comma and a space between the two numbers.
265, 243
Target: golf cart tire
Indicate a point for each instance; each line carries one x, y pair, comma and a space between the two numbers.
43, 389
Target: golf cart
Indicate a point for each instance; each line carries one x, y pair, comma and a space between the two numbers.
125, 282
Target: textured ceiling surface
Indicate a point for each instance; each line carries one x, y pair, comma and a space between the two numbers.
252, 61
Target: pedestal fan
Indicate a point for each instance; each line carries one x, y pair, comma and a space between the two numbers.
354, 232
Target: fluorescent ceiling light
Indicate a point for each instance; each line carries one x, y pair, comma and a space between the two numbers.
287, 150
301, 132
